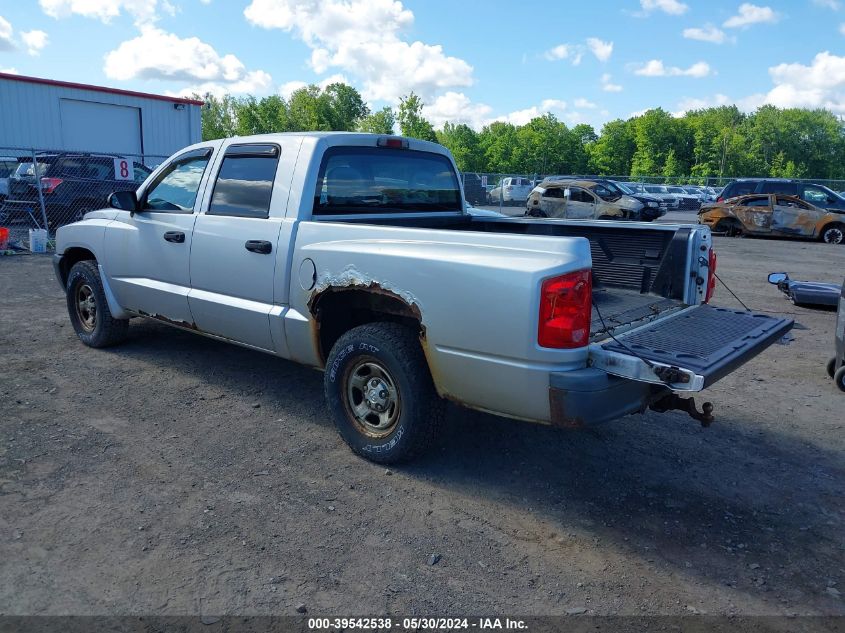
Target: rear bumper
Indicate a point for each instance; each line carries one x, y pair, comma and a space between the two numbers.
590, 396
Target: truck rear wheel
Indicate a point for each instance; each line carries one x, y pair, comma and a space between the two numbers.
89, 312
380, 393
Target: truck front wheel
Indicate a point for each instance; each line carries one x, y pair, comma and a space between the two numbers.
89, 312
380, 393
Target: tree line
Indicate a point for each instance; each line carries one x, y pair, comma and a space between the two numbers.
718, 142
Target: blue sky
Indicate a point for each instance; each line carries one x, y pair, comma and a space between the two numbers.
470, 61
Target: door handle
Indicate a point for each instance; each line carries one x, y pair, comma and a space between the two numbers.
259, 246
174, 236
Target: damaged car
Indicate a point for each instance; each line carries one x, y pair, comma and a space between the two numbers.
590, 200
778, 215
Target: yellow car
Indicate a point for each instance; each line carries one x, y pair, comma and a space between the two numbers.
773, 214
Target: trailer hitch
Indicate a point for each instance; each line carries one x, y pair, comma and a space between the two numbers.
673, 402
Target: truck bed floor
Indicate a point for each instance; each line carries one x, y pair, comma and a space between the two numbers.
620, 308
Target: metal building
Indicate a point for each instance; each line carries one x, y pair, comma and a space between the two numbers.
60, 115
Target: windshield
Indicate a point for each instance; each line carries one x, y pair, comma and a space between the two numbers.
385, 180
624, 188
676, 190
607, 192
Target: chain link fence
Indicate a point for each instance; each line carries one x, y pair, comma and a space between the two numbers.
507, 193
46, 189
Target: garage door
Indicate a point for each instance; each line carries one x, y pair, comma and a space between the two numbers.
100, 127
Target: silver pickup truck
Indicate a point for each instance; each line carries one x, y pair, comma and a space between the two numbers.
354, 254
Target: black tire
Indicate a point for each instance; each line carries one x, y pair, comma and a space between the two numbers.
831, 367
387, 359
839, 378
833, 233
731, 228
93, 323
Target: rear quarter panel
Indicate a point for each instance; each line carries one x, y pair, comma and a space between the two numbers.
477, 294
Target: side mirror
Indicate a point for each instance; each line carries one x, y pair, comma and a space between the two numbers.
776, 278
124, 200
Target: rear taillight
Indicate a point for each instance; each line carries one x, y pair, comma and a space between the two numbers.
711, 276
720, 199
565, 311
49, 184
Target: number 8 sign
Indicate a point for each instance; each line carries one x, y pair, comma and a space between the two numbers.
123, 169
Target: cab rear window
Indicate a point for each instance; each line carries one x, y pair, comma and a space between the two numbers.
362, 180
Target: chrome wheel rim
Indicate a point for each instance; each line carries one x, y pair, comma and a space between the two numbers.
833, 236
86, 307
372, 398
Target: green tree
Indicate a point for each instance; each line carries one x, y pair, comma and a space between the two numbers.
411, 121
343, 106
381, 122
218, 117
613, 151
464, 144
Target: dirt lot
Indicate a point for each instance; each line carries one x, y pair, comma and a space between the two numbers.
179, 475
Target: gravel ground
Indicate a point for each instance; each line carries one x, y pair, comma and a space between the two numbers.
178, 475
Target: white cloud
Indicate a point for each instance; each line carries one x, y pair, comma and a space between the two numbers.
609, 86
575, 52
6, 31
707, 33
288, 88
688, 103
672, 7
834, 5
9, 71
602, 50
561, 51
363, 38
156, 54
749, 14
547, 106
842, 28
656, 68
581, 102
34, 41
456, 107
818, 85
142, 11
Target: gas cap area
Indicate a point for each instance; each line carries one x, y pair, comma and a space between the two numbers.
307, 274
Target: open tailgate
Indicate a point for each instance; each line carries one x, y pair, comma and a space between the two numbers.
691, 349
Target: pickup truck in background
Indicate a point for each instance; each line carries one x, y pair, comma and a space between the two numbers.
354, 254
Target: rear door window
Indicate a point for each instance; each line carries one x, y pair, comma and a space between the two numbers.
757, 201
101, 168
28, 169
741, 189
363, 180
785, 188
244, 184
580, 195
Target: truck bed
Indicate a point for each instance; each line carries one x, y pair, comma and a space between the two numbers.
639, 271
617, 308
